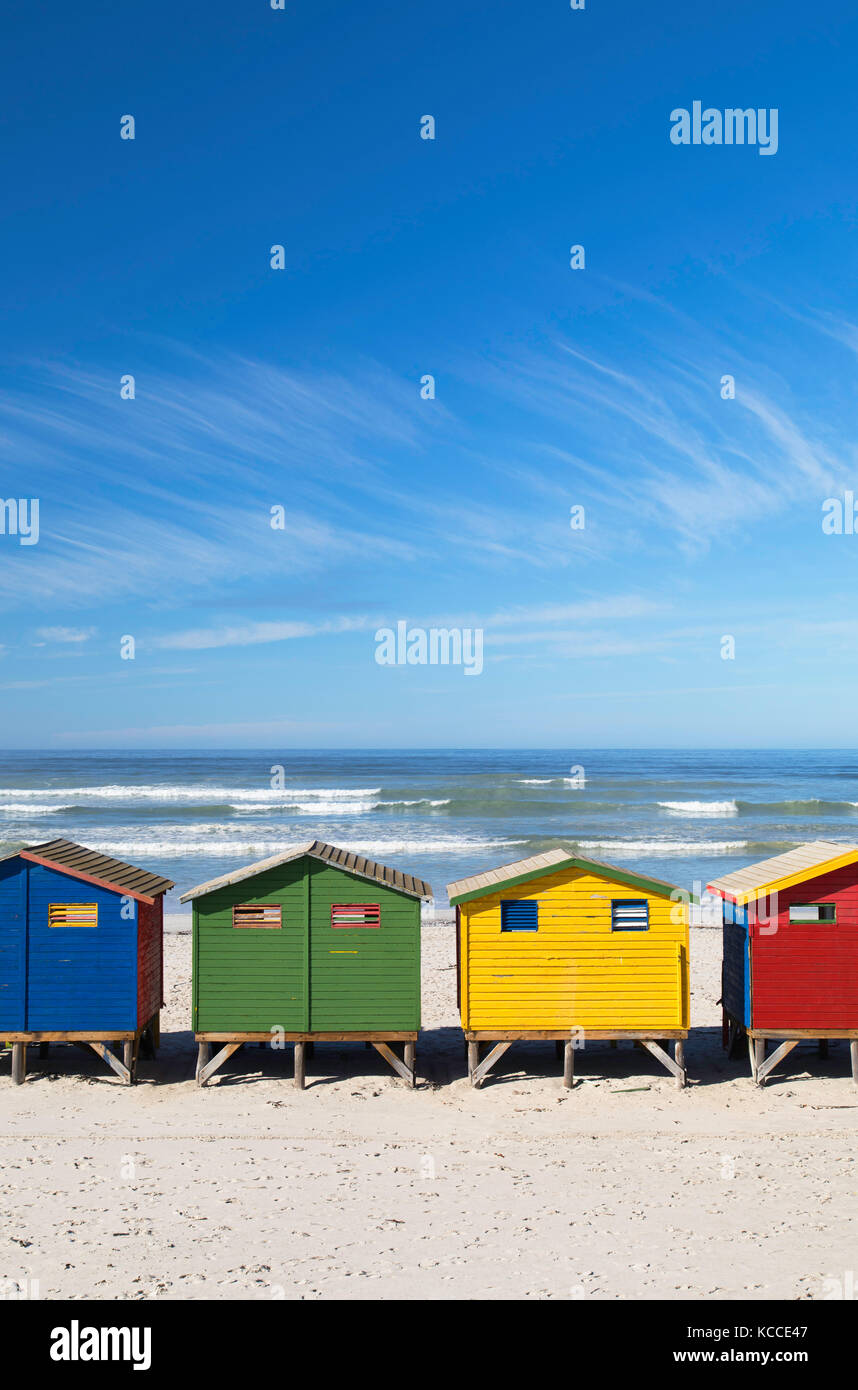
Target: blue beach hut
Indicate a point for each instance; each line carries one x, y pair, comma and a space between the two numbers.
81, 953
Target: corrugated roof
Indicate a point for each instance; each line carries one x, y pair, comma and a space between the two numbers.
538, 864
317, 849
85, 863
796, 865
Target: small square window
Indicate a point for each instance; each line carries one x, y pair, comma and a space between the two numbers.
629, 914
350, 915
73, 914
812, 912
521, 914
257, 915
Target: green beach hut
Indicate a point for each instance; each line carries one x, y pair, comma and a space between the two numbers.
316, 944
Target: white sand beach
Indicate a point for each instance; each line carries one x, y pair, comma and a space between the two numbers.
358, 1187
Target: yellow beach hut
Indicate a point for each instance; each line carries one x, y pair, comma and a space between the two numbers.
566, 948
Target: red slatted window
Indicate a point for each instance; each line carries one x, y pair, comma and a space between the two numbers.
355, 915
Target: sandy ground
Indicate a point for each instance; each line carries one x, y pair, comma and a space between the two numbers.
362, 1188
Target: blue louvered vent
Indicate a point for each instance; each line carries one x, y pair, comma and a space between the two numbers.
519, 916
629, 914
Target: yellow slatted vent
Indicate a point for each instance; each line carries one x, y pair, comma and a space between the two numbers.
73, 914
355, 915
257, 915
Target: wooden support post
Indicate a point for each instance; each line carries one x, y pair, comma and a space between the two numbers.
759, 1057
106, 1053
568, 1064
205, 1073
299, 1065
679, 1058
481, 1072
411, 1060
19, 1062
763, 1068
390, 1056
674, 1067
203, 1057
853, 1053
473, 1060
128, 1059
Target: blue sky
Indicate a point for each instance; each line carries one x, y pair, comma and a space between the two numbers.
301, 388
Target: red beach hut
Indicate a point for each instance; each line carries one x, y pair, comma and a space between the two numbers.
790, 961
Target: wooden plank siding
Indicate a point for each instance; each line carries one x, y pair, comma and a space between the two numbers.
362, 977
150, 960
805, 975
13, 944
735, 973
252, 978
574, 972
79, 978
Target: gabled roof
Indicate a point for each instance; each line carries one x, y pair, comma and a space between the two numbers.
784, 870
317, 849
539, 865
100, 869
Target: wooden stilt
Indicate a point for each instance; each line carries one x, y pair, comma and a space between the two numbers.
473, 1060
765, 1067
411, 1060
759, 1057
205, 1073
568, 1065
390, 1057
853, 1055
106, 1053
481, 1072
299, 1065
679, 1058
128, 1059
19, 1062
204, 1053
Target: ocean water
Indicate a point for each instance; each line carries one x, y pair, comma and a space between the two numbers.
684, 816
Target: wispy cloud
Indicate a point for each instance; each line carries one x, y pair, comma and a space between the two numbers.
64, 634
250, 634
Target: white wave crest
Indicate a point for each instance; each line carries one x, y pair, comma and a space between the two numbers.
622, 848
